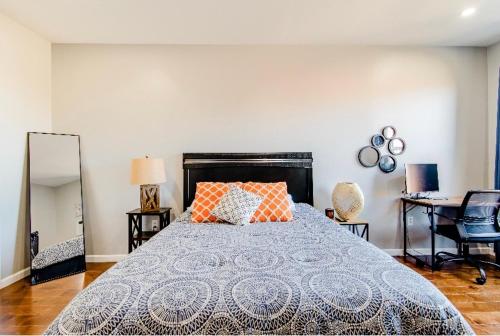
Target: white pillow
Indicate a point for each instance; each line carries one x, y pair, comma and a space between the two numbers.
237, 206
292, 203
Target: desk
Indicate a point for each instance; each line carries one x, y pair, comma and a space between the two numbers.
430, 205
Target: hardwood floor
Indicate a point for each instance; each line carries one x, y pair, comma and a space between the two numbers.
26, 309
29, 310
480, 305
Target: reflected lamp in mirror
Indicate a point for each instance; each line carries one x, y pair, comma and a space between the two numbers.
368, 156
396, 146
148, 173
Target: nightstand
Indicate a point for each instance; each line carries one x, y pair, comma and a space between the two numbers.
135, 233
355, 225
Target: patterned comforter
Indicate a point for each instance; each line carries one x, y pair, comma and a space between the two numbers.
308, 276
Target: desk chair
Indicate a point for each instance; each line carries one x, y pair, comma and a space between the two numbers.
477, 222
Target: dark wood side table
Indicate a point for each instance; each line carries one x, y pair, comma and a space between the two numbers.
135, 233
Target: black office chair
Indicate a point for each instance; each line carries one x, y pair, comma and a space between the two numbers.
477, 222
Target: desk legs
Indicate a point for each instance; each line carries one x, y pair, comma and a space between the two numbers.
433, 241
433, 237
404, 230
497, 252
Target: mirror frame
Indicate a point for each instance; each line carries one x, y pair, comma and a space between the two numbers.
359, 156
372, 141
389, 127
389, 146
72, 266
391, 170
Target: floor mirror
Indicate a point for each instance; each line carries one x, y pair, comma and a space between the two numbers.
57, 243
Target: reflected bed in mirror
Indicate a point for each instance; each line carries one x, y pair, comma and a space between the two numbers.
57, 244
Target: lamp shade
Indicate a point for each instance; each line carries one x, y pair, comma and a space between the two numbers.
147, 171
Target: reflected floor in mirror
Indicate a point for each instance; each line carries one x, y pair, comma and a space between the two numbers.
26, 309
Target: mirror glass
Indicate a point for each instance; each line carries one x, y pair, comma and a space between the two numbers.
389, 132
378, 140
387, 164
56, 208
368, 156
396, 146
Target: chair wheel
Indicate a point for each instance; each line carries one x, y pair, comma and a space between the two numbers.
480, 281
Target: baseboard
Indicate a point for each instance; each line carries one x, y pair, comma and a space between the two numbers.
14, 277
427, 251
94, 258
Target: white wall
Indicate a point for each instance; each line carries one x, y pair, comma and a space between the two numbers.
68, 198
493, 53
127, 101
54, 214
44, 214
25, 105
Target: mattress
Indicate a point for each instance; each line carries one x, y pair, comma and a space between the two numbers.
56, 253
307, 276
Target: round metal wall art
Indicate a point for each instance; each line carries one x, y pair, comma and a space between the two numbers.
396, 146
371, 156
389, 132
378, 140
387, 164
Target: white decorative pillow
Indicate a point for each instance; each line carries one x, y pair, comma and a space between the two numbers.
237, 206
292, 203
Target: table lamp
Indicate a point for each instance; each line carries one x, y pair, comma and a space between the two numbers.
148, 173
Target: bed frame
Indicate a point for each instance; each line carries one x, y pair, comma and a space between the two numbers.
294, 168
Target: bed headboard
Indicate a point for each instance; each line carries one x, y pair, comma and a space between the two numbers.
294, 168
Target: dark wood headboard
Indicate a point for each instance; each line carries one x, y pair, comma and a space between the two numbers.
294, 168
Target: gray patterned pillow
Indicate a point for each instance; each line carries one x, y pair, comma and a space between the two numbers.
237, 206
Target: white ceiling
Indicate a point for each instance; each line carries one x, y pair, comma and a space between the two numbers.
372, 22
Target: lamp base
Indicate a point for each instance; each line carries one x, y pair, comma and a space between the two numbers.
150, 197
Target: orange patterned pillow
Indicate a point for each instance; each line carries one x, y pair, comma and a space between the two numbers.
275, 206
208, 195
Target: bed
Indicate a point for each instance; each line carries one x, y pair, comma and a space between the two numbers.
306, 276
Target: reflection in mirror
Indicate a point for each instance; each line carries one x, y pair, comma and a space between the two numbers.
368, 156
388, 132
55, 198
378, 140
396, 146
387, 164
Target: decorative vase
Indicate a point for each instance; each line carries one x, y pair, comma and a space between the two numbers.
348, 200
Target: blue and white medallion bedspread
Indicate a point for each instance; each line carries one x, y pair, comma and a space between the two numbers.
308, 276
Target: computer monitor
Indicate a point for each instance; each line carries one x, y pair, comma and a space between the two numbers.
421, 178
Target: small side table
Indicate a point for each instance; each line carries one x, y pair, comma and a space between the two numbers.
354, 226
135, 233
